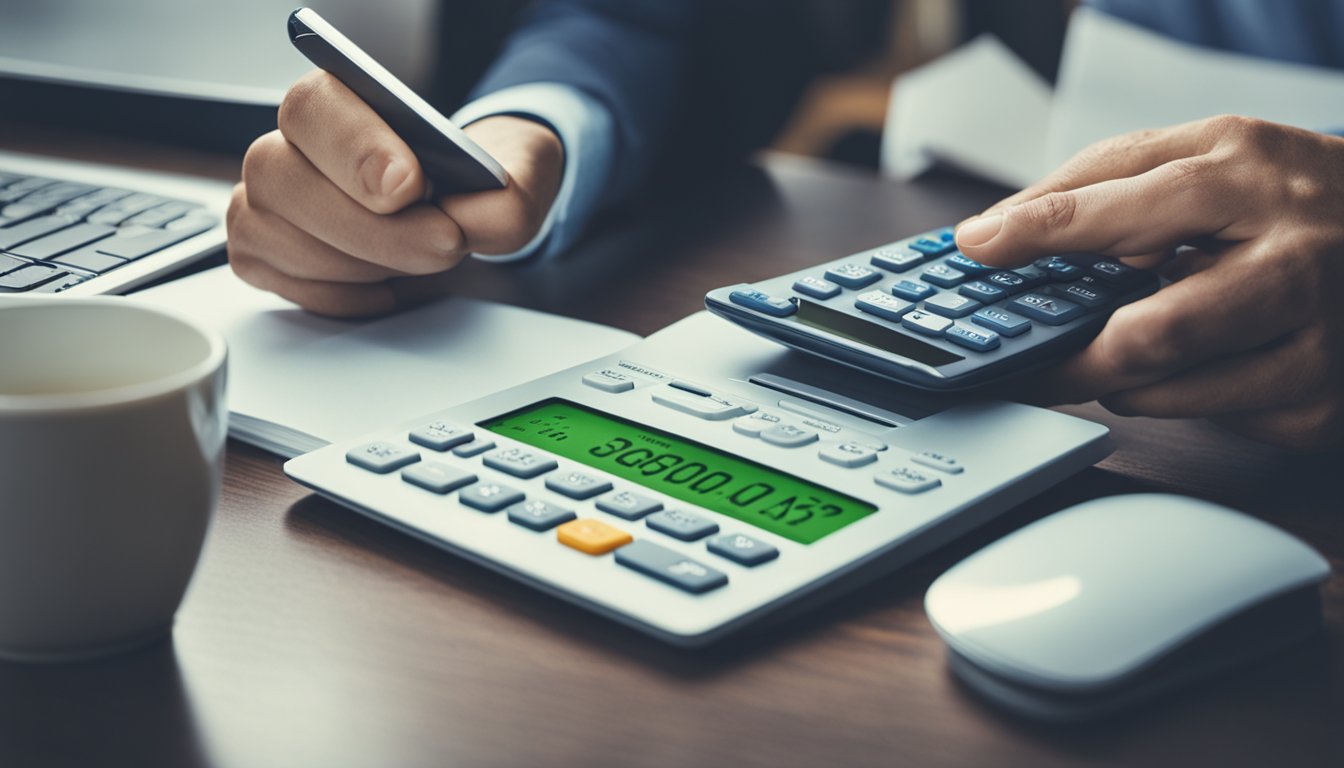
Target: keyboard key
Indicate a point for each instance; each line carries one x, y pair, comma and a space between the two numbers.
63, 241
81, 207
943, 275
1060, 270
22, 188
926, 323
123, 209
939, 462
763, 302
474, 448
789, 436
742, 550
577, 485
160, 214
1124, 277
754, 424
628, 505
931, 247
539, 515
978, 339
28, 277
440, 436
1001, 321
520, 462
9, 263
1046, 309
670, 567
70, 280
32, 229
1090, 296
912, 290
681, 525
906, 480
896, 261
963, 263
853, 275
951, 305
90, 260
592, 537
381, 457
883, 305
610, 380
848, 454
136, 242
437, 477
982, 292
44, 200
816, 287
489, 497
1009, 282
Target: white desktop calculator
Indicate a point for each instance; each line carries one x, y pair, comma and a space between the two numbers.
693, 483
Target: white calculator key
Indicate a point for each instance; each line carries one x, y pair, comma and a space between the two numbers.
848, 454
906, 480
939, 462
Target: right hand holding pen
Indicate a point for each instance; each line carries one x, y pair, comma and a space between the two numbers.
331, 212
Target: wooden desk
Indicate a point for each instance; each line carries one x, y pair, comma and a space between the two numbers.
314, 637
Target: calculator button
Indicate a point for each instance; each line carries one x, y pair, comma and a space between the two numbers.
591, 536
912, 290
437, 477
681, 525
951, 305
710, 408
848, 454
1033, 276
896, 261
906, 480
947, 234
1059, 269
670, 567
926, 323
939, 461
933, 247
1090, 296
970, 337
489, 497
440, 436
883, 305
742, 550
577, 485
474, 448
609, 380
941, 274
539, 515
788, 436
963, 263
628, 505
1114, 273
1001, 321
754, 424
982, 292
381, 457
853, 275
1048, 310
763, 302
1009, 282
520, 462
816, 287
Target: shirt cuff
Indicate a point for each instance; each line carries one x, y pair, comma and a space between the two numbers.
587, 132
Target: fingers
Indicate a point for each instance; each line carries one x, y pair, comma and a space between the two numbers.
318, 296
350, 144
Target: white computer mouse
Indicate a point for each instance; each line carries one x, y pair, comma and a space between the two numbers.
1117, 599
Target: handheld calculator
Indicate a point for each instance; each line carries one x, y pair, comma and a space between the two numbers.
922, 313
688, 489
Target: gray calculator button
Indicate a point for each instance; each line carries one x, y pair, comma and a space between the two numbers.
609, 380
951, 304
577, 485
906, 480
788, 435
437, 477
754, 424
682, 525
539, 515
440, 436
883, 305
896, 260
926, 323
474, 448
816, 287
848, 454
490, 497
853, 275
712, 408
742, 549
628, 505
1089, 295
670, 567
939, 461
520, 462
1045, 308
381, 457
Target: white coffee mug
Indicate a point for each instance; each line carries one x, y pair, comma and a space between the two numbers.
112, 429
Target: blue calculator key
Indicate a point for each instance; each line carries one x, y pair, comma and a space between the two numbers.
943, 275
853, 275
742, 550
883, 305
1119, 275
931, 247
1001, 321
978, 339
963, 263
926, 323
1059, 269
381, 457
947, 235
816, 287
763, 302
670, 567
951, 305
1032, 276
489, 497
912, 290
628, 505
895, 260
1010, 282
681, 525
539, 515
1047, 309
1089, 295
982, 291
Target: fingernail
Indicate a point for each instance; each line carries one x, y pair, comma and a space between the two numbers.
979, 231
394, 175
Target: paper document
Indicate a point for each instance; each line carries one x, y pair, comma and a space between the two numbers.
298, 381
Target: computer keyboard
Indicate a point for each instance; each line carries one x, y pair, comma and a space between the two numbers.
57, 233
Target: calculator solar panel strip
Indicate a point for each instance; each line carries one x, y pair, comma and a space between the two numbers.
920, 312
77, 229
689, 490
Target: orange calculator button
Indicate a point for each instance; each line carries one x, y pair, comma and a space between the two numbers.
592, 537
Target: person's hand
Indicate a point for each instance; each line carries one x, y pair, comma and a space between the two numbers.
1252, 332
331, 212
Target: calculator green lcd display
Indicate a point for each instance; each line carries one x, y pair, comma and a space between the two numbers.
685, 470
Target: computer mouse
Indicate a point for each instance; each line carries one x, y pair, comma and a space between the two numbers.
1115, 600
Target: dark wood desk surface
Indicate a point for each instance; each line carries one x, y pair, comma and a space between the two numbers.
314, 637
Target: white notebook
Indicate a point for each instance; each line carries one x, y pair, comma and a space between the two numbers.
298, 381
